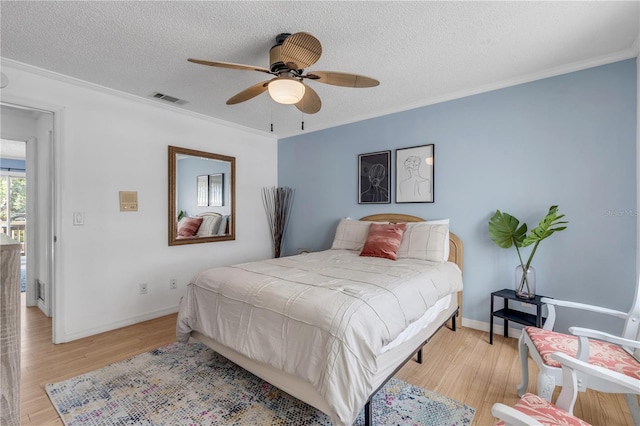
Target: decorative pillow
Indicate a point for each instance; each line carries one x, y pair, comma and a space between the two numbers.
424, 241
350, 234
383, 240
446, 241
222, 228
209, 225
188, 226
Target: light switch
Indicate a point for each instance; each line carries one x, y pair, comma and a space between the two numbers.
78, 218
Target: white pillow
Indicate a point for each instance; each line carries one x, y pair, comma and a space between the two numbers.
446, 241
425, 241
351, 234
209, 224
222, 228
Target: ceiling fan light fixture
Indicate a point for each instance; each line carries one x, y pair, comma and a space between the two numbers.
286, 90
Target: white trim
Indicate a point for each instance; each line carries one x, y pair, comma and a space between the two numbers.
56, 294
13, 173
44, 308
553, 72
119, 324
32, 225
629, 53
92, 86
636, 47
498, 330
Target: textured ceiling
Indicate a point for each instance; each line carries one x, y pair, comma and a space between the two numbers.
421, 52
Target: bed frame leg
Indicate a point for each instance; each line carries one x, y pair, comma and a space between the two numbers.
367, 414
453, 322
419, 358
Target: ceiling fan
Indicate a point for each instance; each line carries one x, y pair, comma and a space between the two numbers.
289, 57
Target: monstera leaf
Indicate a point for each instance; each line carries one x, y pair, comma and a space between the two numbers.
548, 225
505, 230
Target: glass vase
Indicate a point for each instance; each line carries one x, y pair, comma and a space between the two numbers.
525, 283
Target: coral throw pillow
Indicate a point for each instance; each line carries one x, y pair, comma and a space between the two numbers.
188, 226
383, 241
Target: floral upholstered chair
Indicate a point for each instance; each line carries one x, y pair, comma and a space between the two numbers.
619, 354
534, 410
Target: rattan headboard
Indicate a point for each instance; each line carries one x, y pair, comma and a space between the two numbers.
455, 243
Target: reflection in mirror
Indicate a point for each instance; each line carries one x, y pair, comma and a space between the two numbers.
201, 196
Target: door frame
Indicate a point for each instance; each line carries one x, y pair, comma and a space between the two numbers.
54, 262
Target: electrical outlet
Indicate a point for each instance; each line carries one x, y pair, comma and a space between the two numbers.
143, 288
78, 218
173, 283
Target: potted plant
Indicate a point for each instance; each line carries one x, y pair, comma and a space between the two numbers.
506, 231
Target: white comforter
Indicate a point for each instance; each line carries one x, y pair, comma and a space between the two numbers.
320, 316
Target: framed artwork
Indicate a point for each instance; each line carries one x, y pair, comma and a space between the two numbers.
203, 190
374, 178
414, 174
216, 190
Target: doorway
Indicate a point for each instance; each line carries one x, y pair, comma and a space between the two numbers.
13, 199
27, 195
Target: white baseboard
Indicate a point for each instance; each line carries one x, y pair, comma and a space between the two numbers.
498, 329
119, 324
44, 308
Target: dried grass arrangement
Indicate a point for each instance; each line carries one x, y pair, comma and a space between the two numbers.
277, 204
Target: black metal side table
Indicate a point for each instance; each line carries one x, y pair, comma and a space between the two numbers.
509, 314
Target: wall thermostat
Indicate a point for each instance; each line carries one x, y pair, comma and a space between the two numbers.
128, 201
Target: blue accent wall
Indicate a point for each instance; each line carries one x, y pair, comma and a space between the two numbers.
188, 170
568, 140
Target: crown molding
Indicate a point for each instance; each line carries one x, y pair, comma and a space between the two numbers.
632, 52
5, 62
629, 53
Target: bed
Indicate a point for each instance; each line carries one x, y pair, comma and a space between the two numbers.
205, 224
329, 328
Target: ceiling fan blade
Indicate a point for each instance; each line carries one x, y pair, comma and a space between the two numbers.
300, 50
310, 102
249, 93
229, 65
342, 79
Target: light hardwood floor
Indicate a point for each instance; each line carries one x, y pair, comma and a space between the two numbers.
461, 365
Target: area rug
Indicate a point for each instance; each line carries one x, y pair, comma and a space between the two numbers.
190, 384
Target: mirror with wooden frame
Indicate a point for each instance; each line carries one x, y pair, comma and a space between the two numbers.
202, 189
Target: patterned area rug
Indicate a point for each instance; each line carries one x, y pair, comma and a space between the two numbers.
192, 385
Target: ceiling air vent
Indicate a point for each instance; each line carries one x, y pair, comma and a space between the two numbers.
168, 98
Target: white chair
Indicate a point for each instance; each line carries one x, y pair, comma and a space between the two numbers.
534, 410
616, 353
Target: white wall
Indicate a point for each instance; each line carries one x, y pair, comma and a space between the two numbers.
108, 143
39, 171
